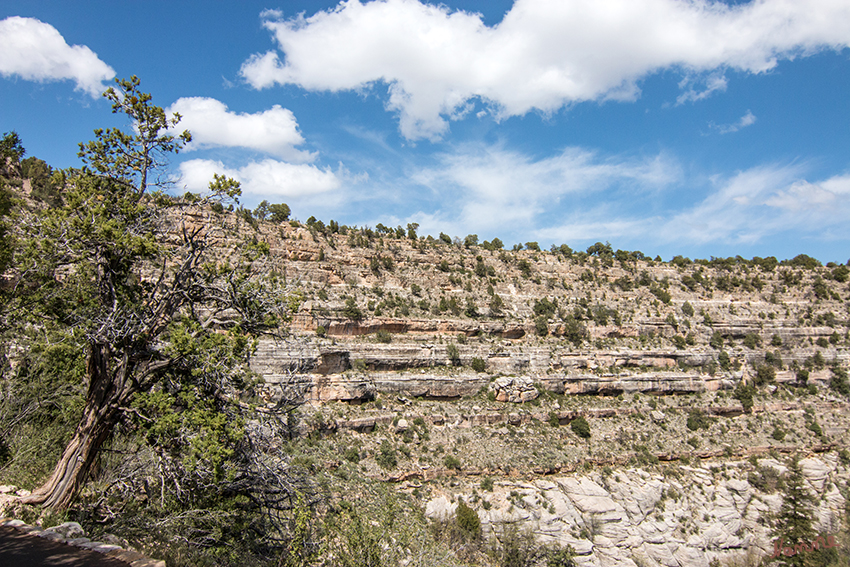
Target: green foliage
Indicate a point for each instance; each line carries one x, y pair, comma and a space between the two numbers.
496, 305
515, 548
279, 212
352, 455
716, 340
386, 457
106, 273
580, 427
351, 311
453, 354
575, 331
383, 336
561, 557
764, 374
468, 520
697, 419
544, 307
744, 393
541, 326
662, 294
451, 462
802, 261
478, 364
687, 309
354, 541
487, 484
752, 341
839, 382
6, 243
11, 148
794, 520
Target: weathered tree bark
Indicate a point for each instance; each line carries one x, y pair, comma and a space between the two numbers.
100, 414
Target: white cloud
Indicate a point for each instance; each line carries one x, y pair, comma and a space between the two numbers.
488, 188
746, 120
273, 131
268, 178
750, 207
710, 84
36, 51
544, 55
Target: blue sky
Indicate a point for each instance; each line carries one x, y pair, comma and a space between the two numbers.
670, 127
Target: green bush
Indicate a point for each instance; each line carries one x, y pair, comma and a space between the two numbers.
723, 360
351, 311
384, 337
468, 520
698, 420
451, 462
386, 457
478, 364
580, 427
744, 394
764, 374
839, 382
716, 340
752, 341
487, 484
687, 309
454, 354
561, 557
541, 326
352, 454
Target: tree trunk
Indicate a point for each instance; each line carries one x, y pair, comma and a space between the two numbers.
100, 415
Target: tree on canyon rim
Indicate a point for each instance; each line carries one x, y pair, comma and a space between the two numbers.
128, 274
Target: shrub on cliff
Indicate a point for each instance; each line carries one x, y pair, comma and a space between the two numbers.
580, 427
468, 520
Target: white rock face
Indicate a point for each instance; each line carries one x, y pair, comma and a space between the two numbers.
633, 517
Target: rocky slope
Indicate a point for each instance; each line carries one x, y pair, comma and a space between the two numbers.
465, 361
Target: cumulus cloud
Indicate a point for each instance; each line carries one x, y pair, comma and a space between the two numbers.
746, 120
544, 54
273, 131
266, 178
36, 51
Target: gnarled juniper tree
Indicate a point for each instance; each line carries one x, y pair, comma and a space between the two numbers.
164, 306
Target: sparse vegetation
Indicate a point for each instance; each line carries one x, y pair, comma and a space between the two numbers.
585, 326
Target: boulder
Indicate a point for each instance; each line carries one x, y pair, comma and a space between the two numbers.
514, 389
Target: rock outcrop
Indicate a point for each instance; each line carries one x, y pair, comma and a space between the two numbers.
633, 517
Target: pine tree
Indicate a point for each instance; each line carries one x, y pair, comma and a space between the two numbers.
793, 533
